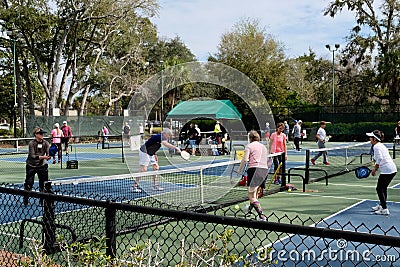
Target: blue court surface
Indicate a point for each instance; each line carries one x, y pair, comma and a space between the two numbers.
79, 156
298, 250
117, 188
397, 186
120, 189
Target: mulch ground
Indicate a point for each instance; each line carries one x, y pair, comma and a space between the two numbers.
11, 259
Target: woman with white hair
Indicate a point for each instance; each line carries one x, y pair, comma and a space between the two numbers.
57, 134
256, 156
147, 155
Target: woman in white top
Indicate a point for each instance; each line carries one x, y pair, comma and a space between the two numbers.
256, 155
387, 168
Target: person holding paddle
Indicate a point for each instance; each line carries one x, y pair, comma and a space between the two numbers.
277, 145
147, 155
36, 162
387, 168
256, 156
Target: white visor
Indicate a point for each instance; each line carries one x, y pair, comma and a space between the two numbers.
373, 135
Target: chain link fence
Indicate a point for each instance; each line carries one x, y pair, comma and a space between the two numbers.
144, 232
87, 156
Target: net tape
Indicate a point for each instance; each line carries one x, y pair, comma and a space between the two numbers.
185, 186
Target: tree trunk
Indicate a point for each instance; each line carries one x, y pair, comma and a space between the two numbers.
29, 95
84, 98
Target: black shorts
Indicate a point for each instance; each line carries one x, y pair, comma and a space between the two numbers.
256, 177
65, 140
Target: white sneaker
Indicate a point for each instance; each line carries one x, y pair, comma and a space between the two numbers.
377, 207
262, 218
382, 212
248, 208
136, 190
157, 188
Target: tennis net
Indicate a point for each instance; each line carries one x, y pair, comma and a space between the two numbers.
341, 159
187, 186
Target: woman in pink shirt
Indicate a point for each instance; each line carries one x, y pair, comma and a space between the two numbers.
256, 156
278, 144
56, 133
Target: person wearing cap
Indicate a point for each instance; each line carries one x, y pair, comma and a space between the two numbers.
383, 162
67, 132
36, 162
321, 138
297, 134
147, 156
217, 132
57, 134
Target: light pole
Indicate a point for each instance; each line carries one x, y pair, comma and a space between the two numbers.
333, 73
162, 95
13, 37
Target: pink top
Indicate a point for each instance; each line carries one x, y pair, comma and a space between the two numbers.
278, 142
257, 155
56, 133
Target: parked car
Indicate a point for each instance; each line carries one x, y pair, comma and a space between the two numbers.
4, 126
156, 123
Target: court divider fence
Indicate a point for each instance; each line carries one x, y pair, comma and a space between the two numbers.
88, 156
171, 236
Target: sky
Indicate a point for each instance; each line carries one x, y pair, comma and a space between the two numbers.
298, 24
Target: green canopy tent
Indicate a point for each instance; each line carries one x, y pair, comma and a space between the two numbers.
221, 110
214, 109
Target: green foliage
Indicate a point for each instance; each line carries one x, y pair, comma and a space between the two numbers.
372, 47
4, 132
249, 49
356, 131
212, 252
91, 253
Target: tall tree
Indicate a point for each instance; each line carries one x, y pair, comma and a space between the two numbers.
62, 35
374, 44
249, 49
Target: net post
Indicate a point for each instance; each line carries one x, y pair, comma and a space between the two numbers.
111, 232
122, 147
201, 186
394, 149
307, 172
283, 170
49, 227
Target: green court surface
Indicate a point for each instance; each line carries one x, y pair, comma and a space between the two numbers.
302, 208
319, 201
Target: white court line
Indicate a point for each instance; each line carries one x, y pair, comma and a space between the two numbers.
393, 186
17, 236
326, 196
363, 186
280, 240
350, 185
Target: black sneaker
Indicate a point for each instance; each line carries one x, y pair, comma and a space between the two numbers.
26, 201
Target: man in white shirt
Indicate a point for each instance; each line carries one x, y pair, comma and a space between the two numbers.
321, 136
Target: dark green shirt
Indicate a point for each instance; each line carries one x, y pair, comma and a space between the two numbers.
37, 149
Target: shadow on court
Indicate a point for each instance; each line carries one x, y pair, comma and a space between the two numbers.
121, 190
305, 250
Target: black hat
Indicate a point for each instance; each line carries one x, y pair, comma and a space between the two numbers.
39, 131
